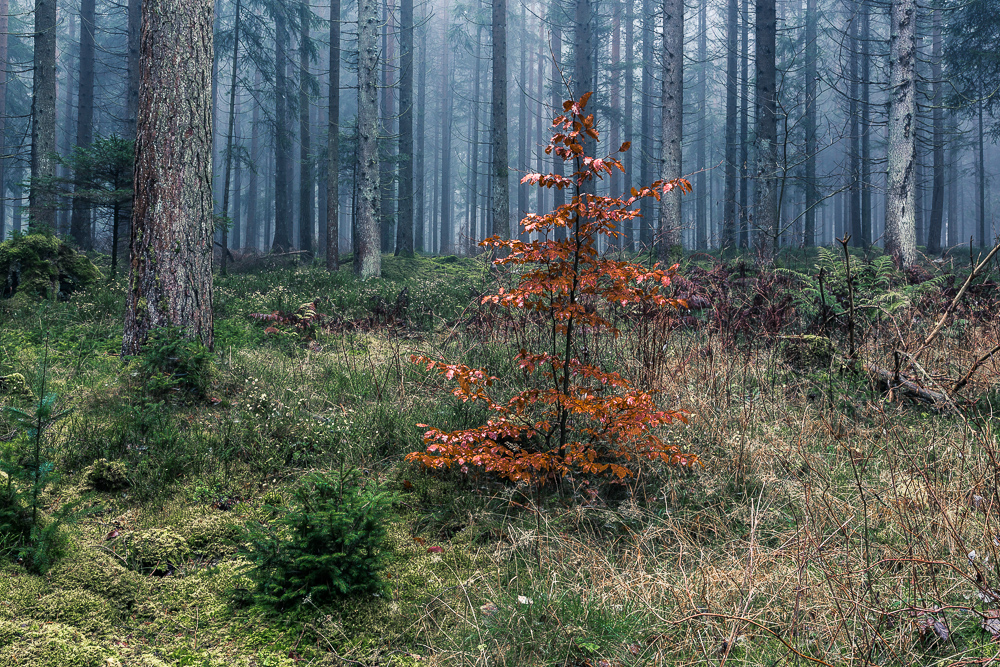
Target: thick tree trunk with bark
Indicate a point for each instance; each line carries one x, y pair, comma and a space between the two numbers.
332, 245
672, 100
368, 257
404, 230
41, 205
900, 196
500, 200
170, 276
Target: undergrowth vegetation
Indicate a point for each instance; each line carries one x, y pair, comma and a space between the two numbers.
254, 505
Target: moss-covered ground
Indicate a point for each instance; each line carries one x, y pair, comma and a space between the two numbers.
833, 520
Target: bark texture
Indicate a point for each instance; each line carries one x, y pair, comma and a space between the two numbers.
41, 206
501, 188
307, 194
80, 221
170, 276
766, 143
368, 259
404, 224
672, 101
900, 196
333, 146
732, 139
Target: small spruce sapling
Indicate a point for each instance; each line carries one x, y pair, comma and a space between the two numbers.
578, 417
22, 531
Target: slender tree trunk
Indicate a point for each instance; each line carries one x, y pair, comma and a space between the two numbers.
766, 144
558, 93
500, 203
229, 136
404, 233
703, 196
420, 202
744, 212
237, 215
170, 277
368, 254
981, 170
866, 126
900, 234
523, 161
628, 177
729, 238
672, 96
954, 228
252, 220
472, 205
854, 122
540, 108
42, 206
282, 141
615, 186
333, 146
937, 122
646, 122
386, 179
307, 184
80, 219
134, 26
583, 68
446, 244
4, 27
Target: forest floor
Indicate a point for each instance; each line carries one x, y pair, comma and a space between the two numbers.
837, 515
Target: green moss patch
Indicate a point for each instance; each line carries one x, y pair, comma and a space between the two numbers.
51, 645
98, 573
42, 266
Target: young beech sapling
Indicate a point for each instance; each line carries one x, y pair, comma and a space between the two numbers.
576, 417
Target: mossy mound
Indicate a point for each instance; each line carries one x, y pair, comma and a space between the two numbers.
16, 386
213, 535
42, 266
158, 551
105, 475
50, 645
95, 572
83, 610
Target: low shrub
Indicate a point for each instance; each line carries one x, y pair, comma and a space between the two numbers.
328, 543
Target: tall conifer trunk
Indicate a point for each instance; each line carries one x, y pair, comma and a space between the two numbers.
500, 188
170, 275
42, 205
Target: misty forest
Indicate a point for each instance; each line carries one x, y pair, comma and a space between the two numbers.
570, 333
